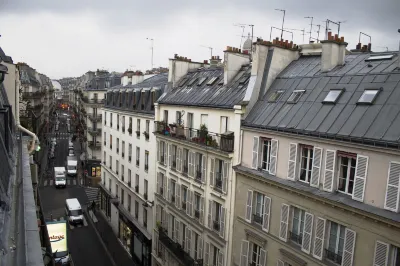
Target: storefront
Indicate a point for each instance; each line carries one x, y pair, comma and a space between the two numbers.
134, 241
105, 203
93, 168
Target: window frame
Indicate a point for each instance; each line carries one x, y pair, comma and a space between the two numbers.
309, 158
347, 179
337, 241
337, 97
262, 146
373, 98
293, 95
302, 218
278, 93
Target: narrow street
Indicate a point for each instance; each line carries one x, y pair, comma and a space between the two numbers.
83, 243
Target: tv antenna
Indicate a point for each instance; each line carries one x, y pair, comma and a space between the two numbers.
272, 27
211, 49
252, 35
312, 18
303, 31
243, 27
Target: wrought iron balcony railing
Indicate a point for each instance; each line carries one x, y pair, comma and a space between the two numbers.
298, 239
94, 118
332, 256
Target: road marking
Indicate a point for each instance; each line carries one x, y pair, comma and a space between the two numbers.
45, 183
84, 221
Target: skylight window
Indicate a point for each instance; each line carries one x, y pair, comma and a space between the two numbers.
192, 82
212, 81
368, 96
201, 81
243, 79
275, 96
295, 96
333, 95
380, 57
221, 82
182, 82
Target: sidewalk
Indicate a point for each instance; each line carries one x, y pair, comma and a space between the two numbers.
118, 253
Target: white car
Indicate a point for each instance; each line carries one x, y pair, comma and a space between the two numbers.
54, 141
71, 152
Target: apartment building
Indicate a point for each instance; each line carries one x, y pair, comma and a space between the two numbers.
197, 133
318, 181
128, 168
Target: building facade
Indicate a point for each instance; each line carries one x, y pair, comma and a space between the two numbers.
318, 179
128, 165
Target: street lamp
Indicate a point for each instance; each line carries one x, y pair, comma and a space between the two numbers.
283, 20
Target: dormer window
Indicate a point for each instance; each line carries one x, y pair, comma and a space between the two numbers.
183, 81
201, 81
368, 96
192, 81
333, 95
243, 79
295, 96
212, 81
142, 99
275, 96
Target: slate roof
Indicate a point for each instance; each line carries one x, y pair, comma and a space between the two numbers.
375, 124
216, 95
137, 98
27, 75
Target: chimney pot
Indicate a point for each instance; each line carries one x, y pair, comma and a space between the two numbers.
329, 35
336, 37
369, 47
342, 39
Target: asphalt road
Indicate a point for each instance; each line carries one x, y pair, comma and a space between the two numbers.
83, 243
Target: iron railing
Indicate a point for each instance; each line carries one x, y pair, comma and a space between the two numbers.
223, 142
332, 256
33, 95
94, 118
298, 239
94, 131
257, 219
94, 145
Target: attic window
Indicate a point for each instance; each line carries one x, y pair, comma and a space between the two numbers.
212, 81
201, 81
368, 96
333, 95
295, 96
183, 81
275, 96
243, 79
221, 82
192, 82
380, 57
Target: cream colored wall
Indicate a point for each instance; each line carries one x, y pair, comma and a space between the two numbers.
368, 231
378, 164
11, 80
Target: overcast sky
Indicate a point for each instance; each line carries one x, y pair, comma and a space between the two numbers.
67, 38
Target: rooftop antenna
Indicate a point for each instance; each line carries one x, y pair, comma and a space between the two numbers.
340, 22
272, 27
319, 29
208, 48
252, 35
283, 20
362, 33
327, 27
241, 39
152, 50
312, 18
303, 30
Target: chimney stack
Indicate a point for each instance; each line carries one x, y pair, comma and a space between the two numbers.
333, 52
215, 60
234, 59
179, 67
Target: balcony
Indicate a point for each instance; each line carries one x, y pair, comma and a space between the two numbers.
332, 256
93, 101
257, 219
94, 131
223, 142
94, 146
298, 239
33, 95
177, 250
94, 118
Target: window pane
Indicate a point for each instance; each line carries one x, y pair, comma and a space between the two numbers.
332, 96
341, 240
333, 237
368, 96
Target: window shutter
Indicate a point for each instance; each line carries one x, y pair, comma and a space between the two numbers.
188, 237
307, 232
381, 254
249, 205
267, 211
204, 169
283, 231
192, 205
360, 178
158, 213
225, 174
158, 151
292, 161
280, 263
158, 182
201, 219
207, 254
316, 167
244, 253
189, 203
200, 247
165, 154
319, 238
164, 187
222, 218
263, 257
393, 187
170, 225
155, 243
170, 155
348, 250
177, 195
164, 219
212, 171
169, 189
273, 156
176, 231
329, 174
256, 141
191, 165
179, 160
220, 258
210, 207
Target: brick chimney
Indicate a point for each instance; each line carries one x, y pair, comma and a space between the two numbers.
137, 77
234, 59
333, 52
179, 67
215, 61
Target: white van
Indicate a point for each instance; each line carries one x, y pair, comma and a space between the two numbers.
59, 177
70, 145
74, 211
72, 165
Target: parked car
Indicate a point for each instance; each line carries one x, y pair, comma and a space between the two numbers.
71, 152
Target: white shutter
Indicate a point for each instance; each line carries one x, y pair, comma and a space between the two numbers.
273, 156
348, 250
188, 239
307, 232
283, 231
280, 263
207, 254
201, 219
381, 254
177, 195
212, 172
176, 231
165, 153
210, 209
225, 174
222, 217
158, 182
316, 167
158, 151
292, 161
170, 155
393, 187
319, 238
249, 205
329, 174
266, 215
179, 160
165, 187
193, 204
200, 247
244, 253
204, 169
220, 258
169, 189
360, 178
263, 257
189, 202
191, 165
256, 141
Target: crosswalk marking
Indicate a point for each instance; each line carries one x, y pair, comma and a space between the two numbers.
70, 182
93, 194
